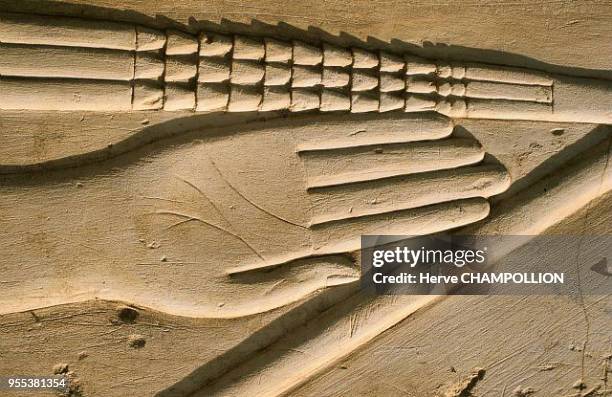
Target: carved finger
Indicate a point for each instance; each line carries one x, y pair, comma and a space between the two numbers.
408, 191
348, 165
343, 235
363, 130
320, 271
276, 286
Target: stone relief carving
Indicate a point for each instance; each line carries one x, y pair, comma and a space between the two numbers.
71, 64
244, 221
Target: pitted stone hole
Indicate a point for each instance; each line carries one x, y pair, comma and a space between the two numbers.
127, 314
557, 131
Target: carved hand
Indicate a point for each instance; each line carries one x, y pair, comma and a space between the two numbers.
230, 223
